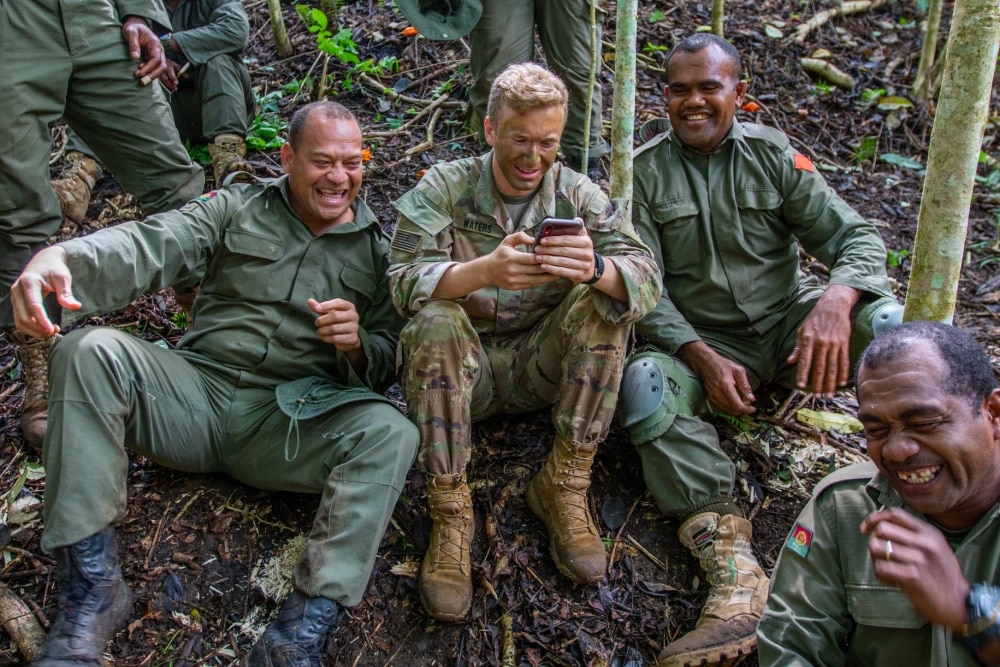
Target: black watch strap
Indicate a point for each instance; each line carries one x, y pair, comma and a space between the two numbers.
598, 270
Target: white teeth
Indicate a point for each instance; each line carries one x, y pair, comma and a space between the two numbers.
698, 116
919, 476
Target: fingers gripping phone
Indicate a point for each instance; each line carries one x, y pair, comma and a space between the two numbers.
557, 227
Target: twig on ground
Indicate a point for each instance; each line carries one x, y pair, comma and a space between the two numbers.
826, 15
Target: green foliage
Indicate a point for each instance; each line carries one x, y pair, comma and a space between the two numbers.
385, 66
867, 150
901, 161
870, 96
198, 153
656, 16
339, 46
180, 319
822, 87
265, 130
653, 48
895, 257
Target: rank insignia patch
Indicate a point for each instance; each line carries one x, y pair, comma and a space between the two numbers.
800, 540
803, 163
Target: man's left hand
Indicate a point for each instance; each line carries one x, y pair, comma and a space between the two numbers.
822, 345
569, 257
919, 561
145, 47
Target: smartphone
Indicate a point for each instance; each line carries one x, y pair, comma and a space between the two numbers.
557, 227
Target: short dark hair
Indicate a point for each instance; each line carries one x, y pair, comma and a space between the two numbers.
331, 110
702, 40
969, 372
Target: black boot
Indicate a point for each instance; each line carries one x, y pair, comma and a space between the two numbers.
93, 603
298, 636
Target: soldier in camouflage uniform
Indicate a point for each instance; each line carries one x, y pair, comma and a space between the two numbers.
498, 328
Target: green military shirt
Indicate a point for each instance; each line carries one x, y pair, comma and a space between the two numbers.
204, 29
257, 264
723, 228
453, 215
826, 607
151, 10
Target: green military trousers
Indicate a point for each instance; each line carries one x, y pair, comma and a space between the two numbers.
111, 391
505, 34
571, 360
684, 467
68, 59
212, 99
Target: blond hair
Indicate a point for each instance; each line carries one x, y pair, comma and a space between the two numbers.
526, 86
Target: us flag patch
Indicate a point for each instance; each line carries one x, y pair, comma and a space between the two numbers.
800, 540
405, 241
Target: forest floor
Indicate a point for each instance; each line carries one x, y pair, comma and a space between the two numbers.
199, 550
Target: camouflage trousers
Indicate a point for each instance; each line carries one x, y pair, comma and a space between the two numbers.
570, 360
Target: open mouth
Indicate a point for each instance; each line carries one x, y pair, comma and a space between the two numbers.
331, 196
527, 173
921, 476
696, 117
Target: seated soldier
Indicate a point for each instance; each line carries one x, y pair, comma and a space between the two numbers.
897, 561
276, 383
724, 205
500, 328
211, 100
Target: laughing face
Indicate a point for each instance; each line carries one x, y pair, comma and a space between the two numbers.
703, 93
941, 454
524, 147
324, 171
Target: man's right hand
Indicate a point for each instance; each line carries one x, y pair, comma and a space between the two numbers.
725, 381
506, 267
145, 47
47, 272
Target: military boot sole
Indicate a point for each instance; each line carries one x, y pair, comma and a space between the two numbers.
733, 652
538, 509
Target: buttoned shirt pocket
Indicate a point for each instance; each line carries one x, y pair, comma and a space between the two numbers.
882, 606
761, 219
360, 288
247, 266
682, 234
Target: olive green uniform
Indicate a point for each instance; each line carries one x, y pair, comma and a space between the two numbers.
214, 96
501, 351
68, 59
724, 229
826, 605
505, 34
213, 404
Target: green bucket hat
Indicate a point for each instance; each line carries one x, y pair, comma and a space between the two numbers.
442, 19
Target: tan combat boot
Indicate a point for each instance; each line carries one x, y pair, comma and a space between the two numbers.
34, 355
446, 574
74, 186
558, 496
227, 151
726, 632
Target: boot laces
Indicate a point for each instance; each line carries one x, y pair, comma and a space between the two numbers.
575, 482
34, 357
454, 534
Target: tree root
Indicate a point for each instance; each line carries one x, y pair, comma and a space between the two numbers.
824, 17
18, 621
828, 71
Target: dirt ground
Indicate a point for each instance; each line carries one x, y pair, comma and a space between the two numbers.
196, 548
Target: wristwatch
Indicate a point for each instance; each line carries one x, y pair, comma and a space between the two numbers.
983, 627
598, 270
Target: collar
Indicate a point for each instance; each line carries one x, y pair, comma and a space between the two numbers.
735, 135
363, 215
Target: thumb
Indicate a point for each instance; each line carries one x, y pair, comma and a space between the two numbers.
315, 306
64, 295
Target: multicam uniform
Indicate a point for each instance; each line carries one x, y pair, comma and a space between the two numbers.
68, 59
826, 605
213, 404
500, 351
724, 229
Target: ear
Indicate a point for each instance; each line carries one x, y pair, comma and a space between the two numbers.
491, 136
741, 93
286, 156
992, 408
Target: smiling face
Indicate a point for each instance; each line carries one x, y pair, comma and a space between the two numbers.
324, 171
941, 454
703, 93
524, 147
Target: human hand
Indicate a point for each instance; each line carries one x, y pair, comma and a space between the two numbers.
46, 273
337, 324
512, 269
145, 47
726, 383
567, 256
172, 75
920, 562
822, 345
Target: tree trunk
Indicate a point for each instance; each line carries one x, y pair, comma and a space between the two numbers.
956, 139
282, 44
718, 14
922, 86
623, 106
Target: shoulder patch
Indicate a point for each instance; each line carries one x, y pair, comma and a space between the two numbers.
799, 540
803, 163
207, 196
407, 242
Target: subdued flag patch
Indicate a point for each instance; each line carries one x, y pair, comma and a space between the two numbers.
804, 163
405, 241
800, 540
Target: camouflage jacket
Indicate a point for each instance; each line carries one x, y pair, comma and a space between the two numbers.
455, 215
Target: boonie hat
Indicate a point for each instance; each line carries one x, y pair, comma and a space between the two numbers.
442, 19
